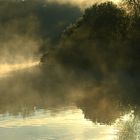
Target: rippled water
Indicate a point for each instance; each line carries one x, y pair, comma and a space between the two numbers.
47, 104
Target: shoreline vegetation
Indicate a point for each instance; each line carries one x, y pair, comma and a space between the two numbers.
93, 62
104, 43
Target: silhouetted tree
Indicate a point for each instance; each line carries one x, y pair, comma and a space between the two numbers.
94, 41
105, 43
134, 6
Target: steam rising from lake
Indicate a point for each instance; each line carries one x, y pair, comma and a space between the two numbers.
17, 53
6, 69
50, 87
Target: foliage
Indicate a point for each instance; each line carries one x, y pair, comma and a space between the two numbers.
134, 5
105, 43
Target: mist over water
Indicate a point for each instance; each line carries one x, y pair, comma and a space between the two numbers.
44, 98
6, 69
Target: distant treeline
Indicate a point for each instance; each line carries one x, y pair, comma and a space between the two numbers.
36, 18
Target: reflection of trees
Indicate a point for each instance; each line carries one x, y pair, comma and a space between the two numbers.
129, 129
99, 102
25, 91
53, 87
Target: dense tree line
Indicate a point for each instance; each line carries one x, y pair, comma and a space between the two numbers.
105, 43
105, 38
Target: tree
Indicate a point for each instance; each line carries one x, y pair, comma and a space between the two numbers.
134, 5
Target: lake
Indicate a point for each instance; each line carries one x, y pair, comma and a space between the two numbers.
47, 103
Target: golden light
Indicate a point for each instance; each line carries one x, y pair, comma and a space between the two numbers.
72, 121
82, 3
8, 68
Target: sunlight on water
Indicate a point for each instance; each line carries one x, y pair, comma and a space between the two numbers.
6, 69
66, 124
128, 127
42, 117
127, 117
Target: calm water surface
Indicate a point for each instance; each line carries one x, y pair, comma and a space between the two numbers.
69, 124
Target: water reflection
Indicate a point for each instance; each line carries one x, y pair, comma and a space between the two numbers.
128, 127
67, 124
47, 99
27, 89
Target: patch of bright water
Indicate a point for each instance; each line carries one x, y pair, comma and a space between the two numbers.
128, 127
67, 124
